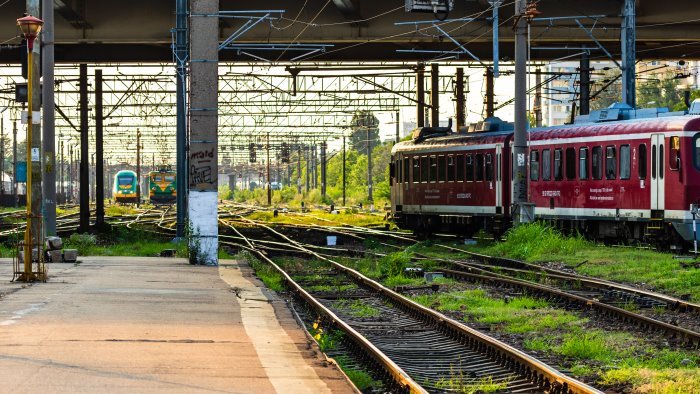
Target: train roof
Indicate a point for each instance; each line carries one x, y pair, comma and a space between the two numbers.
662, 124
453, 139
125, 172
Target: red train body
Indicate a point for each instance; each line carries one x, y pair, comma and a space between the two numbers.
623, 179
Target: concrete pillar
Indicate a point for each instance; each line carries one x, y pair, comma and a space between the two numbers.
49, 137
203, 156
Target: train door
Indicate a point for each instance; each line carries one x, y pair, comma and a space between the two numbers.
499, 180
657, 172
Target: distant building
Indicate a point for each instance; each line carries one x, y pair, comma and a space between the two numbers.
559, 94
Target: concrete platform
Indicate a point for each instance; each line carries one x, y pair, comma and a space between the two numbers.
153, 325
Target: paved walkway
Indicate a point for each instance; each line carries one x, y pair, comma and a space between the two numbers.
152, 325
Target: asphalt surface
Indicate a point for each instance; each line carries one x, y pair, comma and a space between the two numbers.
153, 325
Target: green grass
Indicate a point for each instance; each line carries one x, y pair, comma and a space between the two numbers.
320, 218
540, 243
518, 315
361, 379
610, 357
121, 241
267, 274
357, 308
462, 384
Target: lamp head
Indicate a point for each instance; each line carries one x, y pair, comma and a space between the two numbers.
30, 27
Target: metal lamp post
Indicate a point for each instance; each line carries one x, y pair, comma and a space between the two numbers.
30, 27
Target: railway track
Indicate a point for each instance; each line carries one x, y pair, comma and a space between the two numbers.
680, 321
417, 339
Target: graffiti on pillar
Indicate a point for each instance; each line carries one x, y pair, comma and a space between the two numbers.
201, 168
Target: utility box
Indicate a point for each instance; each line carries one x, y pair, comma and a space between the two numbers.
432, 6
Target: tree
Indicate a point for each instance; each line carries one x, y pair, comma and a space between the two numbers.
361, 122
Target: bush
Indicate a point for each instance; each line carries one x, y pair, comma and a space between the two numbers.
225, 193
533, 240
395, 263
83, 242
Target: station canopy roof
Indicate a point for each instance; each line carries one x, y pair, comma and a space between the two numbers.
333, 30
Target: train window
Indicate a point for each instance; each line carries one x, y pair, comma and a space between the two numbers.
433, 169
399, 170
479, 167
489, 167
625, 167
583, 163
424, 169
597, 162
653, 162
610, 162
460, 167
470, 168
642, 164
661, 161
534, 165
441, 168
675, 157
450, 168
406, 170
558, 164
570, 163
546, 165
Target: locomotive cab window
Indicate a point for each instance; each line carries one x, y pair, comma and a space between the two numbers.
583, 163
625, 163
450, 168
433, 169
441, 168
558, 173
610, 162
470, 168
675, 156
489, 167
479, 167
534, 165
460, 167
597, 162
546, 165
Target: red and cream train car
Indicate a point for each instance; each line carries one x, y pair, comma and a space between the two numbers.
618, 179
